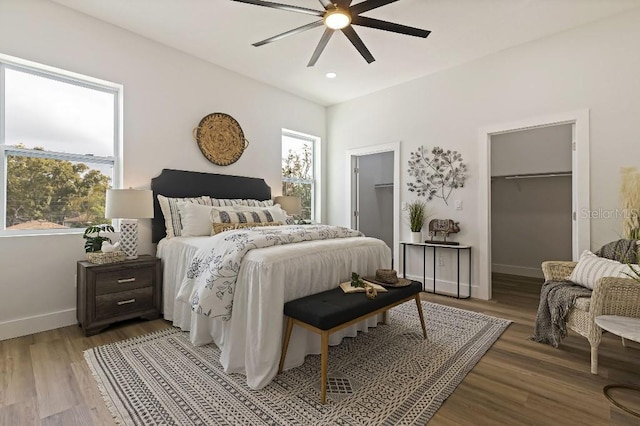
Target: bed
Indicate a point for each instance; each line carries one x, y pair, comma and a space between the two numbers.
250, 342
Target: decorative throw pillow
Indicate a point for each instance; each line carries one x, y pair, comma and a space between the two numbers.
591, 268
195, 219
242, 216
169, 207
257, 203
226, 202
276, 211
216, 228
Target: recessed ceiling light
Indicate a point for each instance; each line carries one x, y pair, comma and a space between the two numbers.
331, 75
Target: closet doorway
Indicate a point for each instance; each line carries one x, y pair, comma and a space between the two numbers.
580, 178
531, 199
374, 193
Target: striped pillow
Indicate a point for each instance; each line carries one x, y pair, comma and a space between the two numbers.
171, 213
217, 228
591, 268
225, 202
257, 203
241, 216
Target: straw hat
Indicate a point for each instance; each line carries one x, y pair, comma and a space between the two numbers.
388, 278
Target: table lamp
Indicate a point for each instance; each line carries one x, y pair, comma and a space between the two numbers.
290, 204
129, 205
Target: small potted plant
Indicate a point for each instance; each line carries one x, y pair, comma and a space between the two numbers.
93, 238
93, 245
417, 216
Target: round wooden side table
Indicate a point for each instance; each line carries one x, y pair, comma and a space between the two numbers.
627, 328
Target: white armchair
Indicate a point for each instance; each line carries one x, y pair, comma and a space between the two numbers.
611, 296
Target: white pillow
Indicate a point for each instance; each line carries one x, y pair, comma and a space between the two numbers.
226, 202
169, 207
591, 268
195, 218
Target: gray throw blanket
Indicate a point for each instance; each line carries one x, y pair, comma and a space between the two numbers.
556, 298
624, 251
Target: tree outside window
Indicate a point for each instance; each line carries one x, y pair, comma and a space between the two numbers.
45, 192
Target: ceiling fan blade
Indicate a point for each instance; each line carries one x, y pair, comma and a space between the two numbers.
343, 3
283, 7
321, 45
289, 33
389, 26
369, 5
326, 3
358, 44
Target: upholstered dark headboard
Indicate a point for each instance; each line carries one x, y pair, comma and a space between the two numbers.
182, 183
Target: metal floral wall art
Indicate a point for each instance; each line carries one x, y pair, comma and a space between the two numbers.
436, 173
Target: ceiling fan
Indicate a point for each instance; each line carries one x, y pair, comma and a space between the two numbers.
339, 15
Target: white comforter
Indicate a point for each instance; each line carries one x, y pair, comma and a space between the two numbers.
251, 341
211, 279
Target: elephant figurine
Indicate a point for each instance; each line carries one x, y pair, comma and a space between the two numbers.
443, 227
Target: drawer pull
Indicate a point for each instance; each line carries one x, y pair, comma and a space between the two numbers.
126, 280
126, 302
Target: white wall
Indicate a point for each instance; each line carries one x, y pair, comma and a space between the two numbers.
593, 67
530, 223
166, 93
541, 150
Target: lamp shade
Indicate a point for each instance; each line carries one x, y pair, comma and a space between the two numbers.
129, 204
290, 204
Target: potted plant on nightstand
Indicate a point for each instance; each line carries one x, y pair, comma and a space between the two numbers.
417, 216
93, 245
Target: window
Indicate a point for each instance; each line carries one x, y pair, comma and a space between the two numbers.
299, 171
59, 142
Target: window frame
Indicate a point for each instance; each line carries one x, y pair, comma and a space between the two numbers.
315, 170
52, 73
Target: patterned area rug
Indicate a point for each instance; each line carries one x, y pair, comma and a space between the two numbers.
389, 376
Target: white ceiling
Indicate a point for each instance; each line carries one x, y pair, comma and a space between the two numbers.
221, 32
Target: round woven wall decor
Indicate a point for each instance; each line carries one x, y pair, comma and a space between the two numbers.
220, 138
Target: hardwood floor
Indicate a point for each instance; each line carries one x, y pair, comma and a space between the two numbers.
44, 379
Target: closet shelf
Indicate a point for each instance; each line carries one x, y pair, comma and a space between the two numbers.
383, 185
533, 175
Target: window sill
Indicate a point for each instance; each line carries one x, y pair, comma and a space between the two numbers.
41, 233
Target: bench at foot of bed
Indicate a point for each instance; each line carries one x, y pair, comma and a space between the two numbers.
333, 310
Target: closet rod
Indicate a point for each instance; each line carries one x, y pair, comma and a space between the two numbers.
533, 175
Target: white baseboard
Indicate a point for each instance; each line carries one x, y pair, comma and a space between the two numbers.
523, 271
449, 288
24, 326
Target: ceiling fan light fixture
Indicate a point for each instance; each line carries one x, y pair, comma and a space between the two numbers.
337, 18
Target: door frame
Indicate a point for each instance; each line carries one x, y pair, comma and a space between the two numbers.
352, 154
581, 231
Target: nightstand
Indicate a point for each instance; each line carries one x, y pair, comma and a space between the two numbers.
113, 292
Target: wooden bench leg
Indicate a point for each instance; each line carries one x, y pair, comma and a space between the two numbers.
419, 306
385, 317
323, 366
285, 343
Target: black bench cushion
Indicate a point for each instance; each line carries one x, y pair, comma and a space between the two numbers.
334, 307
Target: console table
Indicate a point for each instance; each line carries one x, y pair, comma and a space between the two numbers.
435, 247
627, 328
